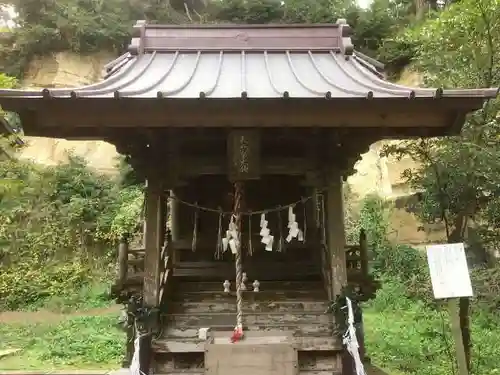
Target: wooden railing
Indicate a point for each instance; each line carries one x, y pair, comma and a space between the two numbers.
131, 267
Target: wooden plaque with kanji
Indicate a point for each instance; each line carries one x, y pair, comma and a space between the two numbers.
244, 154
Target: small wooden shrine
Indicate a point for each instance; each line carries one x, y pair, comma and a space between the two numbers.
244, 135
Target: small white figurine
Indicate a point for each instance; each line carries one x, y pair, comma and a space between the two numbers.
227, 285
256, 285
244, 279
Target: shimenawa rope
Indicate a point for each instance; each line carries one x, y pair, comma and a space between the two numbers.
238, 196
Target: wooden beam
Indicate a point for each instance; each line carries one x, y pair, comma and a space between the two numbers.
198, 166
130, 135
249, 113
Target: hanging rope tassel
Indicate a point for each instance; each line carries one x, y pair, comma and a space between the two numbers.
304, 233
195, 231
250, 246
219, 249
351, 341
281, 242
238, 330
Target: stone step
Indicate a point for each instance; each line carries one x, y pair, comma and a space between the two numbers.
195, 286
251, 296
223, 319
195, 345
248, 307
310, 329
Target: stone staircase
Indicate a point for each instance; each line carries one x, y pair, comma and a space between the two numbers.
288, 312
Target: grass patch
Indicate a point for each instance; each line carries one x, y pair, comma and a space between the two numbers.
409, 338
83, 342
89, 296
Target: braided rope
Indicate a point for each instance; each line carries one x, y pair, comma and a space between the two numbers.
238, 197
242, 213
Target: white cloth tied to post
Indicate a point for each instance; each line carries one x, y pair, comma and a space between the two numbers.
265, 233
351, 341
135, 364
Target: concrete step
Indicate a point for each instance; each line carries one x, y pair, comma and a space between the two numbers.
248, 307
222, 319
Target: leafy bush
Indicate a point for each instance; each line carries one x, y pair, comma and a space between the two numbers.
406, 329
58, 228
406, 335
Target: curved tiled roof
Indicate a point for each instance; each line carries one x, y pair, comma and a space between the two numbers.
260, 61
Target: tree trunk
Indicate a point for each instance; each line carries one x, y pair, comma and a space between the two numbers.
420, 6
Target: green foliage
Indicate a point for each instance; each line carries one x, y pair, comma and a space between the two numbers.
459, 176
58, 227
75, 342
406, 329
90, 25
408, 266
7, 82
407, 336
81, 26
93, 295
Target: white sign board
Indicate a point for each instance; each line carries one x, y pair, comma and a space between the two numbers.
449, 272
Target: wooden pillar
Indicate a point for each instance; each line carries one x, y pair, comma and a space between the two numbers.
122, 261
153, 239
155, 217
129, 345
336, 246
314, 214
174, 224
336, 231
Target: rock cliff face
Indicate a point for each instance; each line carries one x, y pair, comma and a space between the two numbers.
375, 174
68, 70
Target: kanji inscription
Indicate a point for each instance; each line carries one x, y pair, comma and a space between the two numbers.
244, 155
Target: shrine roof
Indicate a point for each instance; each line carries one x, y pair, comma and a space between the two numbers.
259, 61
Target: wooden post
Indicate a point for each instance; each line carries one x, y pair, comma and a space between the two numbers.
122, 260
363, 250
153, 240
174, 225
129, 345
451, 280
336, 245
336, 232
360, 335
457, 336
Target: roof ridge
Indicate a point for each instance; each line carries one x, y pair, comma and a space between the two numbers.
232, 37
